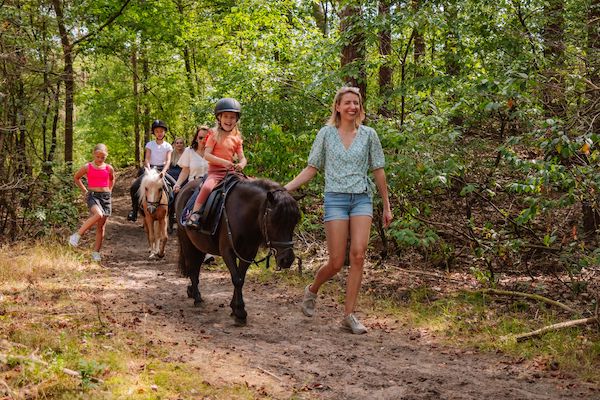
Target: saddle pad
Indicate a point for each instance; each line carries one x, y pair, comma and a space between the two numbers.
213, 207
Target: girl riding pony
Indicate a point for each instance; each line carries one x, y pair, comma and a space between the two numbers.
221, 148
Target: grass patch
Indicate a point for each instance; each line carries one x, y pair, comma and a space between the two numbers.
50, 325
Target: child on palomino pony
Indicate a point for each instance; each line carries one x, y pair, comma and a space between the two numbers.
97, 195
221, 148
157, 155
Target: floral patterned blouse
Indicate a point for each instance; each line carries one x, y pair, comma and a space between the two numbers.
346, 169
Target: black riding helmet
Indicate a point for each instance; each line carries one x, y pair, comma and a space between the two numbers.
228, 104
158, 123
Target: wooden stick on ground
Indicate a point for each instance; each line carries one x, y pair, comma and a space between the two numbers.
555, 327
528, 296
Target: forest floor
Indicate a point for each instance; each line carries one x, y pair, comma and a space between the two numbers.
282, 354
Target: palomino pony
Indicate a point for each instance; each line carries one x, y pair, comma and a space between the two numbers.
154, 201
255, 213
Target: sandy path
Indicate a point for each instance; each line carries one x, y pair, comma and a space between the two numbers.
282, 354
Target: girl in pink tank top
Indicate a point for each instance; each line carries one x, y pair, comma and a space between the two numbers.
97, 195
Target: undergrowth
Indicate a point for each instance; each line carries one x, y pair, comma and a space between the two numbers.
57, 343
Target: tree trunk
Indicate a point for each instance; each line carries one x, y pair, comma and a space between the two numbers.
353, 53
451, 53
136, 100
386, 86
147, 122
68, 79
553, 94
419, 42
54, 134
319, 11
591, 208
186, 51
593, 59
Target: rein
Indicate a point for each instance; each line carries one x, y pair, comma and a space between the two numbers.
274, 246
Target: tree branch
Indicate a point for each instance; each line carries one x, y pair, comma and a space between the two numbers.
555, 327
104, 25
528, 296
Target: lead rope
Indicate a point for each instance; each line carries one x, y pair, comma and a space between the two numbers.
230, 236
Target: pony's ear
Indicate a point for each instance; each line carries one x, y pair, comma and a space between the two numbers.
299, 196
146, 168
270, 197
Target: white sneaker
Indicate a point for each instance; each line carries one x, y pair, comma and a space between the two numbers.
308, 302
96, 256
74, 239
352, 324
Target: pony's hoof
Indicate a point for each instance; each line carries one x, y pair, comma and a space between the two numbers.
160, 255
239, 322
198, 302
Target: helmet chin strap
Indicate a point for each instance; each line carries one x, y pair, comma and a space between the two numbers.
223, 129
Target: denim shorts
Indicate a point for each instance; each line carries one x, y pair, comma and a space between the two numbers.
345, 205
102, 200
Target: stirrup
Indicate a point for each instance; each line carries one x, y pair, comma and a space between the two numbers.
193, 220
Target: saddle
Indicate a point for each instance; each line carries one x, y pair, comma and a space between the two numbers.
211, 211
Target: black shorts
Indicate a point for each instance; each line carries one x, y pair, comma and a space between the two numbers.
102, 200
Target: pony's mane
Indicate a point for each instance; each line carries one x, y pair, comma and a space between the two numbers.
286, 211
265, 184
151, 178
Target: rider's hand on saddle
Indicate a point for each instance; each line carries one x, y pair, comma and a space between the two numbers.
176, 188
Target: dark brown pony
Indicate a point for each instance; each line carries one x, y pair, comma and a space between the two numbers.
256, 213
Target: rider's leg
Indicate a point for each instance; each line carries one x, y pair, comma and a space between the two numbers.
207, 187
135, 201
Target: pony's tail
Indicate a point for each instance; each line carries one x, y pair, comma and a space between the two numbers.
181, 262
190, 258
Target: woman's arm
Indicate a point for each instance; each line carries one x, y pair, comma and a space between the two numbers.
381, 183
183, 175
304, 176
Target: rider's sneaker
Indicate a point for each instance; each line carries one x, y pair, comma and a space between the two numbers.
352, 324
193, 220
74, 239
132, 216
96, 256
308, 302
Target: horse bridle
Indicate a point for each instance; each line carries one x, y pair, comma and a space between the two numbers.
273, 246
158, 203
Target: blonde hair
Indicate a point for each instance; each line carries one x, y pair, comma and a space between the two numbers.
334, 119
100, 147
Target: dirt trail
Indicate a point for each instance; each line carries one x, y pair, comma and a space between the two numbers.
282, 354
